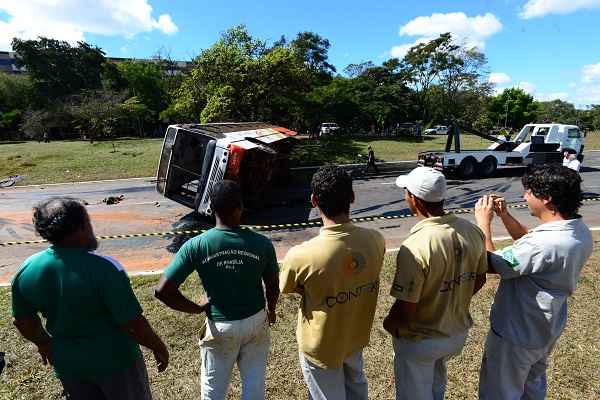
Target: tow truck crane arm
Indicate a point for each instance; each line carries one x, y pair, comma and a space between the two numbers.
454, 135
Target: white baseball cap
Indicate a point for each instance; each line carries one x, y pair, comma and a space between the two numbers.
426, 183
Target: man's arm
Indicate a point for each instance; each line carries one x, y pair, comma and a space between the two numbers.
400, 315
272, 294
167, 291
515, 229
31, 329
484, 213
141, 331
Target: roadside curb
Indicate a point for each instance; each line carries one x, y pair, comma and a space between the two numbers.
386, 165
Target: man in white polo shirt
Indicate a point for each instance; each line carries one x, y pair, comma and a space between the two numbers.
570, 160
439, 267
538, 273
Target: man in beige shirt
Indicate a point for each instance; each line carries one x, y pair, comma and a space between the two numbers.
337, 275
439, 267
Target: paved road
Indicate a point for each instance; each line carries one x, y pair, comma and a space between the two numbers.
143, 210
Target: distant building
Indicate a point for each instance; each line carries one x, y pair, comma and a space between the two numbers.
8, 63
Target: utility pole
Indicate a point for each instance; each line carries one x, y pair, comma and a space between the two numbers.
506, 109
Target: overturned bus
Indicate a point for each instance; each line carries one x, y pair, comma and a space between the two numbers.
196, 156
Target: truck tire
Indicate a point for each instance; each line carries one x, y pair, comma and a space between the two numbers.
467, 168
488, 166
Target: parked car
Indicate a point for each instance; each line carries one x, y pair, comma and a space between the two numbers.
436, 130
329, 128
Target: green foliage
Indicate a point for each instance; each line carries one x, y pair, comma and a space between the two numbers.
15, 92
515, 106
558, 111
145, 80
239, 79
57, 69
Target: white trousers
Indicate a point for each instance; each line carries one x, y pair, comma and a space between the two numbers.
420, 367
346, 383
223, 344
511, 372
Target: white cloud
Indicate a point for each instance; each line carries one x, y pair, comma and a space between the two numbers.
587, 94
531, 89
166, 24
564, 96
499, 78
470, 31
70, 20
527, 86
539, 8
591, 73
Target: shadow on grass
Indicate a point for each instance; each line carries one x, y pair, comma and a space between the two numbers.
340, 150
11, 142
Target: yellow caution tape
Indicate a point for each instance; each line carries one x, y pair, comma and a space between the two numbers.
307, 224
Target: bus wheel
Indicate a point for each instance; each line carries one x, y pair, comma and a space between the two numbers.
467, 168
488, 166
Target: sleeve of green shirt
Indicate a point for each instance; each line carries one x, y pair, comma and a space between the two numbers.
272, 267
117, 293
21, 308
183, 264
409, 279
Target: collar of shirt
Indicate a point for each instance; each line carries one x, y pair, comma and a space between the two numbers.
337, 229
564, 225
444, 219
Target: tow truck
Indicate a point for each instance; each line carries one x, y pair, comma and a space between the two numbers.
194, 157
535, 144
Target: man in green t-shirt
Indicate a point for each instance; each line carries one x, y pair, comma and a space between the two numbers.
233, 263
94, 322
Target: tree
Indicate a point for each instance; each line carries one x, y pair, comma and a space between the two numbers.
513, 108
558, 111
57, 69
313, 50
15, 97
424, 62
146, 82
239, 79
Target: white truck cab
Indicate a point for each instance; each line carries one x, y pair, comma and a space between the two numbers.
535, 144
328, 128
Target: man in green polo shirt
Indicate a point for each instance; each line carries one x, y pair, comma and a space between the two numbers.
233, 264
94, 322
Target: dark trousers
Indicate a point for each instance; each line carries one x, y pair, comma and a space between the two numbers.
371, 163
129, 384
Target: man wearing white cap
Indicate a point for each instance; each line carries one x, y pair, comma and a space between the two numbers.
439, 267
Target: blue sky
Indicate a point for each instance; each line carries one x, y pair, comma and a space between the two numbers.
547, 47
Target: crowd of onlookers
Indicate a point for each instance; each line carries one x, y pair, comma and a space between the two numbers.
94, 323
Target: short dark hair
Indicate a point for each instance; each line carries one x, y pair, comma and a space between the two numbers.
226, 197
332, 188
57, 218
560, 184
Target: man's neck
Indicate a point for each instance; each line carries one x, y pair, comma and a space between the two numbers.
549, 216
425, 214
223, 224
337, 220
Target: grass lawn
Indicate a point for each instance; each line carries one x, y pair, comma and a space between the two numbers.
574, 371
72, 161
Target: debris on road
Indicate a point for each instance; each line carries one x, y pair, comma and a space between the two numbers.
113, 200
10, 181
